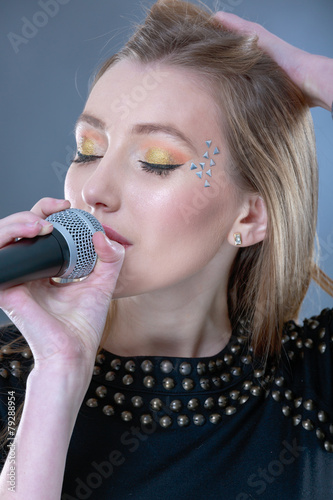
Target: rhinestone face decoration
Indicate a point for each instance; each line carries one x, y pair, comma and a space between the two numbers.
201, 174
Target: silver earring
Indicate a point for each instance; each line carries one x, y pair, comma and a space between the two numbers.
237, 239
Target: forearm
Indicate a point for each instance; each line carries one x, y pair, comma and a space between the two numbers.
41, 443
319, 81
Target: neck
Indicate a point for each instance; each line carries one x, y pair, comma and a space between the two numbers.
180, 321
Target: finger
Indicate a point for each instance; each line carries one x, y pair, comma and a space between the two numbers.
47, 206
10, 232
110, 260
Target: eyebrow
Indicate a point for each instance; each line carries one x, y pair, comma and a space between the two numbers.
139, 128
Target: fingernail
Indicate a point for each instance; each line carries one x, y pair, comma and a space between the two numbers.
46, 223
33, 224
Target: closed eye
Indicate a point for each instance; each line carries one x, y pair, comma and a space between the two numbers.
158, 169
81, 158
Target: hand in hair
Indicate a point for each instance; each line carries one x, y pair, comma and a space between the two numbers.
313, 74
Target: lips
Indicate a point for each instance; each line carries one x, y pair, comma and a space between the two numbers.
113, 235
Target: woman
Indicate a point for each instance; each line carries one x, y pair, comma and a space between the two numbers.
207, 187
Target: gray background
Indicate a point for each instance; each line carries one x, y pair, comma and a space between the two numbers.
44, 82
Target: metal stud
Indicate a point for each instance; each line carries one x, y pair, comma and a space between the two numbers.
320, 434
276, 395
291, 355
209, 172
322, 416
322, 348
100, 358
206, 155
205, 383
183, 420
193, 166
235, 348
193, 404
328, 446
226, 377
259, 373
185, 368
279, 381
307, 424
299, 343
166, 366
202, 165
119, 398
146, 366
212, 366
3, 372
146, 419
137, 401
26, 353
322, 333
209, 143
110, 376
201, 368
149, 381
128, 379
234, 394
216, 381
243, 399
156, 404
308, 343
222, 401
92, 403
298, 402
216, 151
209, 403
256, 390
228, 359
6, 349
246, 359
97, 370
296, 419
198, 419
188, 384
101, 391
126, 416
286, 411
176, 405
247, 385
230, 410
215, 418
165, 421
168, 383
212, 163
308, 404
16, 373
207, 184
130, 366
108, 410
116, 364
289, 394
236, 371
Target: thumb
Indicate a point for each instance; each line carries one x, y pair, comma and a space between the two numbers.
110, 259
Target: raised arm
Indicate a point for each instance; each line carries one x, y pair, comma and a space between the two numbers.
313, 74
63, 325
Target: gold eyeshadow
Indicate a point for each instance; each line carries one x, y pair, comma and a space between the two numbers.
87, 146
159, 156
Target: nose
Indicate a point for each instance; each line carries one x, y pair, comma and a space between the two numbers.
101, 189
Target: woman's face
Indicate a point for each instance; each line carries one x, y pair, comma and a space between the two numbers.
141, 131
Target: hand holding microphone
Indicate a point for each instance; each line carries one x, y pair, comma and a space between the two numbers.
59, 322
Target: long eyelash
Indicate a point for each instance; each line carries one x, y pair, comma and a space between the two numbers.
158, 169
85, 158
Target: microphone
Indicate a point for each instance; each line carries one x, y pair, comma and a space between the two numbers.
68, 252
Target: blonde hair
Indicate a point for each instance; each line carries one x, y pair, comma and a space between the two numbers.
269, 131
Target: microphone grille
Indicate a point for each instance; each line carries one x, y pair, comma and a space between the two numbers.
81, 226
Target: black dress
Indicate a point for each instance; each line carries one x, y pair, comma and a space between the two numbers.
211, 428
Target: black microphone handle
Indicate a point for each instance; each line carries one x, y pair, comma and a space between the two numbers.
33, 258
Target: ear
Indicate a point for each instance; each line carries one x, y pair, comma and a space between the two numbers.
251, 222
